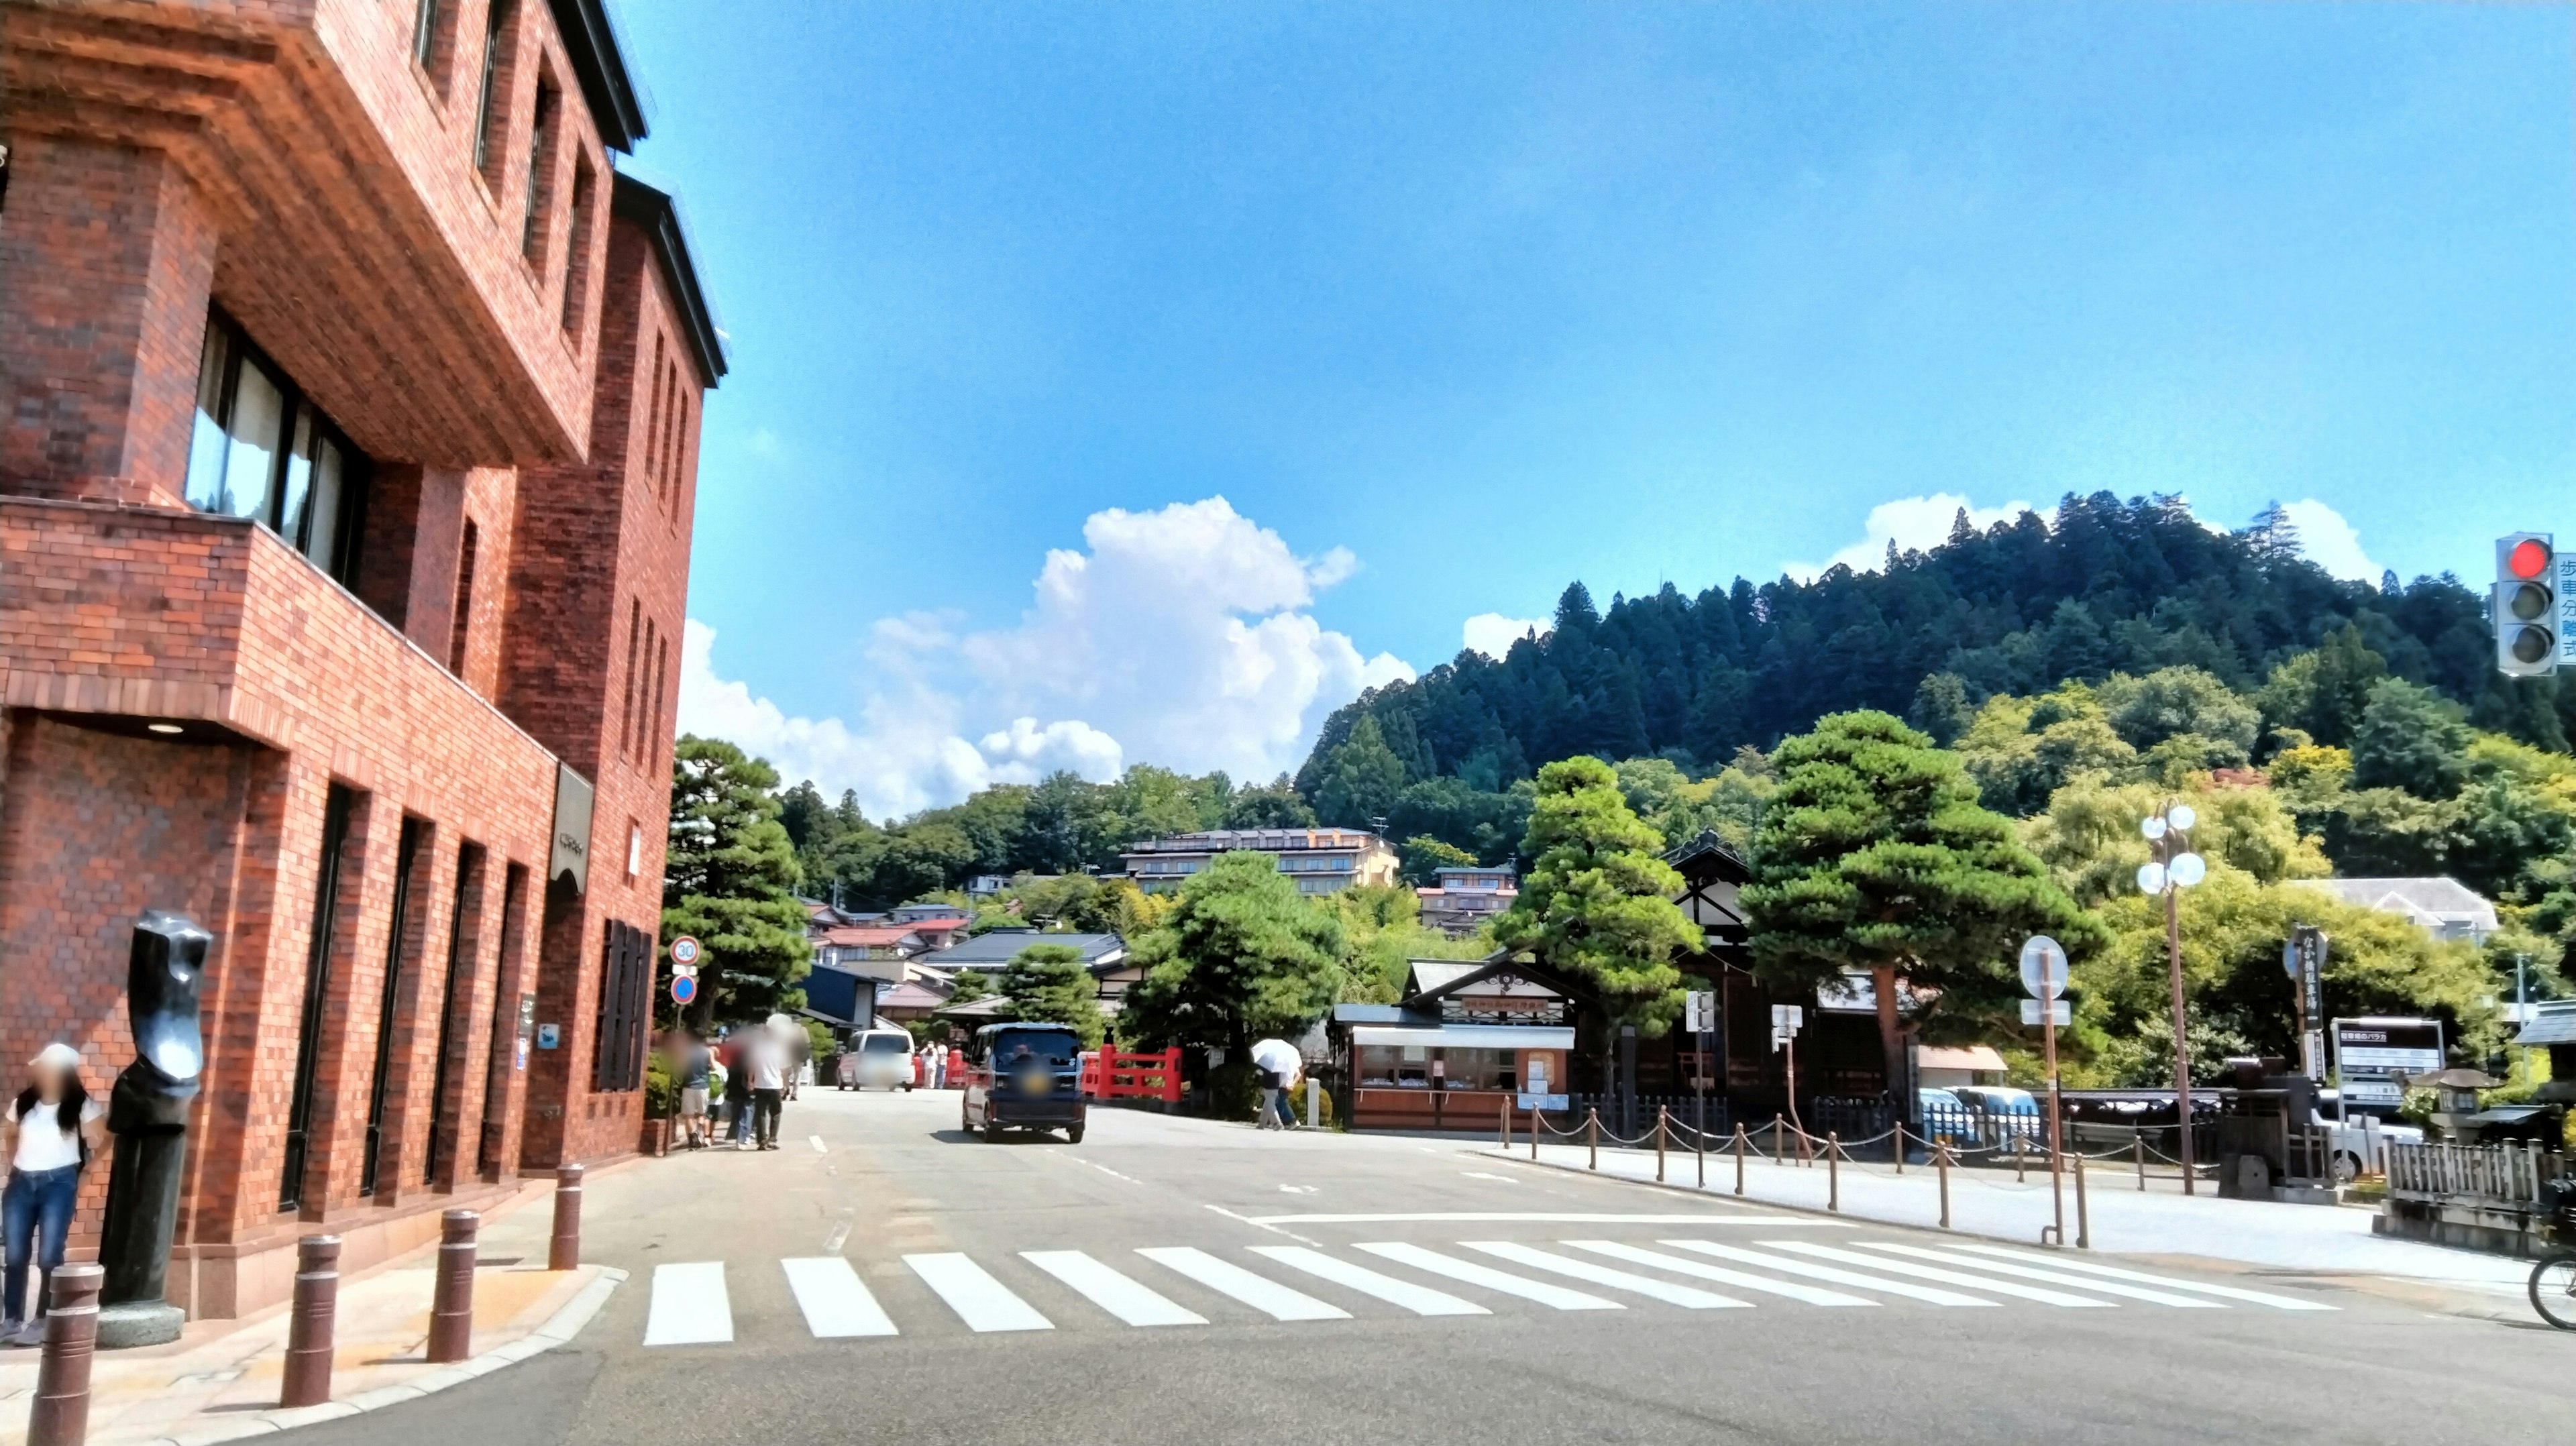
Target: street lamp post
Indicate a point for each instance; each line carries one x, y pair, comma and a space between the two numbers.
2174, 869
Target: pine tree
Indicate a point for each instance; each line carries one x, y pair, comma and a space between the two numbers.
1874, 855
1597, 900
729, 880
1242, 956
1363, 780
1047, 984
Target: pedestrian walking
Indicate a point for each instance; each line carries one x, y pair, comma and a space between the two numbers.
769, 1066
939, 1065
48, 1132
737, 1062
1278, 1062
800, 1051
697, 1069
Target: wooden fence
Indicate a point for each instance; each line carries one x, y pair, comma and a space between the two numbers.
2506, 1175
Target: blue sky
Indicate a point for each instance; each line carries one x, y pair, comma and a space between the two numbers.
1494, 296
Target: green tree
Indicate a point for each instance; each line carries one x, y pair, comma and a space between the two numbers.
729, 879
2410, 738
1242, 956
1275, 804
1875, 856
1363, 780
1424, 855
1597, 902
1047, 983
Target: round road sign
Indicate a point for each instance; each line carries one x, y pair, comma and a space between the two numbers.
2043, 967
684, 950
683, 989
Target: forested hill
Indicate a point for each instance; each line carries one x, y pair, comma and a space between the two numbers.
2107, 586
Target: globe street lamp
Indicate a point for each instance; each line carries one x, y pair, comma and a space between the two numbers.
2174, 869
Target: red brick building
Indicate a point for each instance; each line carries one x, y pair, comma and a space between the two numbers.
349, 406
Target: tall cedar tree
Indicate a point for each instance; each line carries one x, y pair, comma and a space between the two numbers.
1597, 901
729, 880
1047, 984
1875, 855
1242, 956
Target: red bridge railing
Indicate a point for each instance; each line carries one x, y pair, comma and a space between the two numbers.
1110, 1074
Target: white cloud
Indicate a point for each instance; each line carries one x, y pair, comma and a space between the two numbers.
2330, 542
1912, 523
1492, 634
1180, 637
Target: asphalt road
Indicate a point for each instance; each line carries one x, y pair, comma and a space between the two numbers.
933, 1225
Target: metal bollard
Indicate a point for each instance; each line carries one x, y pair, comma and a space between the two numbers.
1659, 1144
451, 1313
2021, 1158
2083, 1218
1900, 1147
309, 1329
564, 1253
60, 1414
1739, 1159
1592, 1132
1537, 1118
1833, 1170
1941, 1159
1507, 1122
1778, 1155
1699, 1144
2138, 1147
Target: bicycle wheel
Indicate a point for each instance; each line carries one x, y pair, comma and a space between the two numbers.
2553, 1291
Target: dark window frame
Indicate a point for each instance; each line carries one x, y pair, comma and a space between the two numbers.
357, 469
339, 804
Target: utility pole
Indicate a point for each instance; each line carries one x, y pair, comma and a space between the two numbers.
2175, 868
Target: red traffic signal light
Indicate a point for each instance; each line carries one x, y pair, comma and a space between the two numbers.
2526, 605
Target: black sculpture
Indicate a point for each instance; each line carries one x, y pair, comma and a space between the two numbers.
148, 1114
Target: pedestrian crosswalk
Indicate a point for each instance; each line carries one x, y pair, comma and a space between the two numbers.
1181, 1286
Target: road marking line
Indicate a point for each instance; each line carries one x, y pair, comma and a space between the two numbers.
1482, 1175
835, 1303
1103, 1169
1263, 1223
817, 1142
1226, 1278
1813, 1271
1557, 1296
1117, 1294
1419, 1299
2052, 1277
840, 1233
1681, 1295
985, 1304
2086, 1267
1811, 1294
689, 1305
1925, 1272
1495, 1217
1296, 1189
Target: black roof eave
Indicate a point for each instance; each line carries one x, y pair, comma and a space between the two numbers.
590, 43
659, 216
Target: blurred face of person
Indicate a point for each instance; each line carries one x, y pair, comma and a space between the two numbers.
49, 1082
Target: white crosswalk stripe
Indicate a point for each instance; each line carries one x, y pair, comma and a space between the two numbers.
1226, 1278
1419, 1299
1117, 1294
1949, 1277
1928, 1294
835, 1302
985, 1304
691, 1303
1687, 1297
1434, 1263
689, 1307
2113, 1272
1811, 1294
2052, 1277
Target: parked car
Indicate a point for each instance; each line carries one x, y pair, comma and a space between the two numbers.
874, 1059
1945, 1116
2357, 1141
2005, 1114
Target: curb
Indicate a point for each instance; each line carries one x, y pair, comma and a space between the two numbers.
558, 1330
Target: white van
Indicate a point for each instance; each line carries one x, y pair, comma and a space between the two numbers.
875, 1058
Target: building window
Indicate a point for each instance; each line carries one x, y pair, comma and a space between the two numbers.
634, 849
541, 174
408, 860
625, 1008
576, 297
429, 40
461, 628
495, 20
261, 451
337, 806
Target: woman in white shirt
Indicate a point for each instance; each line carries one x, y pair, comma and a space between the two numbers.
47, 1132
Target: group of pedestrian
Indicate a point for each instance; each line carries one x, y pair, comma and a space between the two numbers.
1280, 1067
931, 1065
748, 1072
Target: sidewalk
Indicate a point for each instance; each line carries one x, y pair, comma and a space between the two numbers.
220, 1380
2294, 1239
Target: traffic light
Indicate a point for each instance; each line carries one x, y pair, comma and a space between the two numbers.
2526, 605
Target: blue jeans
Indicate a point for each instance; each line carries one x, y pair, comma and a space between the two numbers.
35, 1212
